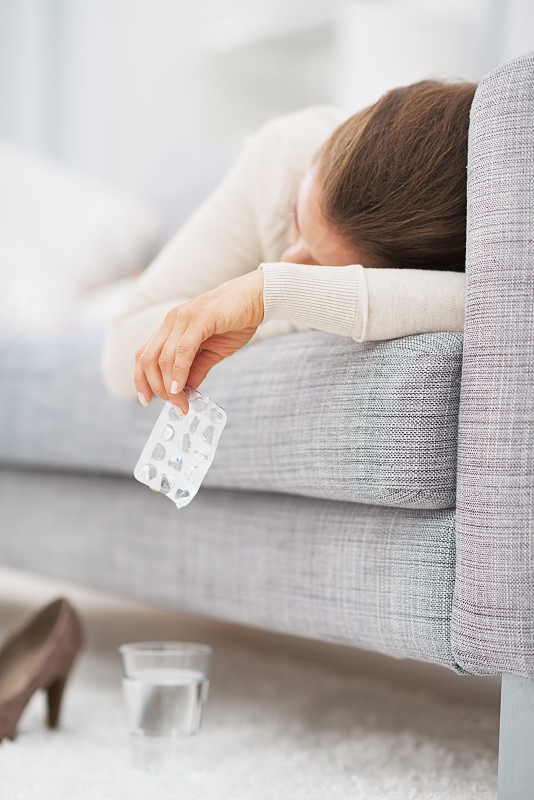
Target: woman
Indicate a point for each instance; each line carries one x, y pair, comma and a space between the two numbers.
358, 226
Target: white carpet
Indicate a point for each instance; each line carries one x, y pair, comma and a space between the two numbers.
275, 727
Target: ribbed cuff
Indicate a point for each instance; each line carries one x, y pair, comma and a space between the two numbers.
326, 298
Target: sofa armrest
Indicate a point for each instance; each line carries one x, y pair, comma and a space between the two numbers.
493, 616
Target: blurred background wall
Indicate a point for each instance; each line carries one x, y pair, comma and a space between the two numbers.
112, 86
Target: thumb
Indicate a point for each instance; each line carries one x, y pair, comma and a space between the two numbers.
202, 363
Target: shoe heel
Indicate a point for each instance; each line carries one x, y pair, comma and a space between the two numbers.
55, 696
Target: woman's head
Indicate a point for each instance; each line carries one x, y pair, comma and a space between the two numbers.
388, 188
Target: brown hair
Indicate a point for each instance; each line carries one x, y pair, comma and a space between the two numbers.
393, 177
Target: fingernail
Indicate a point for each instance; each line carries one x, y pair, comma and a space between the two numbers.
142, 399
174, 387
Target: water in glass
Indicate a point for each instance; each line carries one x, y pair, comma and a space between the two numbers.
165, 701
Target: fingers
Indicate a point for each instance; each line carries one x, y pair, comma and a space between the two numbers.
147, 374
224, 319
147, 369
162, 365
185, 353
144, 390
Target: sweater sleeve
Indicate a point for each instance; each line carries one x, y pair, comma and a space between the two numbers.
365, 304
219, 242
243, 222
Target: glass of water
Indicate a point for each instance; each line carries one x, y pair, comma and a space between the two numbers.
165, 688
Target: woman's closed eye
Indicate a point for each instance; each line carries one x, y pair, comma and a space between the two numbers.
297, 252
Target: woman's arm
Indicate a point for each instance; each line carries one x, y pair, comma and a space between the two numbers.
349, 301
246, 220
220, 241
366, 304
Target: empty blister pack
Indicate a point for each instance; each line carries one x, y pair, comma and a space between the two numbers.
180, 450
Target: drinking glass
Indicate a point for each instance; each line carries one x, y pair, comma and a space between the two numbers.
165, 688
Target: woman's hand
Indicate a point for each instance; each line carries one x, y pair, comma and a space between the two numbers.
197, 335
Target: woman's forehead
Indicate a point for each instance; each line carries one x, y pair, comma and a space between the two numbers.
320, 237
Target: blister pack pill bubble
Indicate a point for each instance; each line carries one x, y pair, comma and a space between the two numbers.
180, 450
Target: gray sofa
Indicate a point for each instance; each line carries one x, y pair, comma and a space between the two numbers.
379, 495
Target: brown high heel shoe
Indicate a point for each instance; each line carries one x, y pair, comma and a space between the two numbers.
37, 653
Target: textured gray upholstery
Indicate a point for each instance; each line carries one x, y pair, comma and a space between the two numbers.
379, 578
493, 618
309, 414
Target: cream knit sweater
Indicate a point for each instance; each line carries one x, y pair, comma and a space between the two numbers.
245, 223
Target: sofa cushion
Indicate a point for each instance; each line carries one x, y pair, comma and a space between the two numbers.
308, 413
377, 578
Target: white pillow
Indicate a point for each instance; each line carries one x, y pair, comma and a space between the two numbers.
62, 233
